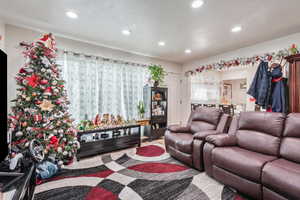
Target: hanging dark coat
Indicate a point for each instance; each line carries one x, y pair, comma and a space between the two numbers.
278, 101
259, 88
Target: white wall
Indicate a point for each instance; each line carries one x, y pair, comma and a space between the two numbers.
15, 59
2, 35
238, 94
268, 46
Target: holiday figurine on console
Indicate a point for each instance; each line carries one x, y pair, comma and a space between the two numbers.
97, 121
40, 112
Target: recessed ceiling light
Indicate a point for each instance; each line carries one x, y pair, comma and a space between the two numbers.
188, 51
197, 3
126, 32
161, 43
236, 29
72, 14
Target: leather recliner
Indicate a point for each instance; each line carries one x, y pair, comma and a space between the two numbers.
237, 159
281, 177
186, 143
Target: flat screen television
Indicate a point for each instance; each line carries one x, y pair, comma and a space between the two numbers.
3, 106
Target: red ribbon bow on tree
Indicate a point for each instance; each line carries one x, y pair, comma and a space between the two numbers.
33, 80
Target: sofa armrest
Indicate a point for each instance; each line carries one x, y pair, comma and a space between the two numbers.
179, 129
203, 134
222, 140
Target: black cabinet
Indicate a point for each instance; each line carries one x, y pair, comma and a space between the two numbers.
156, 105
105, 140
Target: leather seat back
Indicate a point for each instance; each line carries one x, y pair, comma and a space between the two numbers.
203, 119
260, 132
290, 144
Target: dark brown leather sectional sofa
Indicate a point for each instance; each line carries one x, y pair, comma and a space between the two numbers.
260, 155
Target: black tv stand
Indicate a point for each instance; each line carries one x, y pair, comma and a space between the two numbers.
108, 139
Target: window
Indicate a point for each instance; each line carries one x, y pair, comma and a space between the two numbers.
205, 88
102, 86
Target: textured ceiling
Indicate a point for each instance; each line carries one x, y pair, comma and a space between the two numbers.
206, 31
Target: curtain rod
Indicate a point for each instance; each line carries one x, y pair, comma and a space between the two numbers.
103, 58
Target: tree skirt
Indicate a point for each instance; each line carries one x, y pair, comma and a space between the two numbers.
144, 173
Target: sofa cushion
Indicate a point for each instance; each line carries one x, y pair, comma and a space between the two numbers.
290, 149
292, 125
265, 122
260, 132
240, 161
283, 177
290, 144
204, 119
258, 142
181, 141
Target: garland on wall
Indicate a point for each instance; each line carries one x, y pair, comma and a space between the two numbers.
223, 65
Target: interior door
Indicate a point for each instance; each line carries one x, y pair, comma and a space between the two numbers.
174, 98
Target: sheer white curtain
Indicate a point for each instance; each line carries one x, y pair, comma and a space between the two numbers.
96, 85
205, 88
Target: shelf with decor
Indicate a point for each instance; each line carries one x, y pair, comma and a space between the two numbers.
156, 110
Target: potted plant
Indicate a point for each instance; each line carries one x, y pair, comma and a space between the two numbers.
157, 74
141, 109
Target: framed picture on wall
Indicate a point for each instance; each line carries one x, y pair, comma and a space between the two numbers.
243, 85
227, 93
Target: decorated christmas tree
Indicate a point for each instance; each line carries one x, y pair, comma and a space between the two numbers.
41, 107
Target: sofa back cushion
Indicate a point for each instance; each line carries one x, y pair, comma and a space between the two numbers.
260, 131
203, 119
290, 144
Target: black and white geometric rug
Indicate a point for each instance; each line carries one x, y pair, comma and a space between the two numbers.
147, 173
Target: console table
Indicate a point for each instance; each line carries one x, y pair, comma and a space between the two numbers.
105, 140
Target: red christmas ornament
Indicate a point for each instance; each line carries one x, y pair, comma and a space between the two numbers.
37, 117
53, 140
44, 82
22, 70
58, 102
38, 102
33, 80
48, 91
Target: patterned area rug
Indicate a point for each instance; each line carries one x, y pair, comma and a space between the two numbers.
147, 173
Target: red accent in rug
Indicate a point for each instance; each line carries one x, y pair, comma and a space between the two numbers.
98, 193
150, 151
157, 168
238, 198
101, 174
